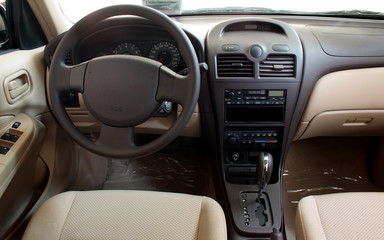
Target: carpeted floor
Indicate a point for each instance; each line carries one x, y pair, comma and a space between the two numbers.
181, 167
320, 166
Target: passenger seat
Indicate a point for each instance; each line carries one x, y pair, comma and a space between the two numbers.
341, 216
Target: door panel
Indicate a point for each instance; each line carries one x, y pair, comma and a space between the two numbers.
23, 174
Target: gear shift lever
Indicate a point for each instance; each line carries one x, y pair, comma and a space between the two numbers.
263, 172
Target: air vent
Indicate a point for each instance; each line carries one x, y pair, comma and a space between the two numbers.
278, 66
234, 65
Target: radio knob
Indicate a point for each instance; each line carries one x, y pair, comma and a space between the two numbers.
230, 95
232, 140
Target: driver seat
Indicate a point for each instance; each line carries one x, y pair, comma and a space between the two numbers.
118, 214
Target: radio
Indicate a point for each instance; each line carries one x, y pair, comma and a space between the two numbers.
254, 105
254, 97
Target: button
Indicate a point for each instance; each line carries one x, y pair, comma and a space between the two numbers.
14, 138
256, 51
230, 47
280, 48
245, 208
4, 150
245, 211
246, 215
247, 219
16, 125
244, 200
246, 223
243, 195
6, 136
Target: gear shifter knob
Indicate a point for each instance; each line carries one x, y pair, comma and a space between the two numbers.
264, 169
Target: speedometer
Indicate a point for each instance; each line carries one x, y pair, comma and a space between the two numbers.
166, 53
127, 48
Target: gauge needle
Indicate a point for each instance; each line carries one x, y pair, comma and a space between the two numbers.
160, 60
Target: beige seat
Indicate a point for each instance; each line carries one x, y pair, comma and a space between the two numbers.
341, 216
127, 215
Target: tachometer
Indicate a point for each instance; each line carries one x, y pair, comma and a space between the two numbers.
127, 48
166, 53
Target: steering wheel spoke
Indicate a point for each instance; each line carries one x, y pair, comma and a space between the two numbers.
117, 138
70, 77
174, 87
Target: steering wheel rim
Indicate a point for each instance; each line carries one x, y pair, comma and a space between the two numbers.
116, 137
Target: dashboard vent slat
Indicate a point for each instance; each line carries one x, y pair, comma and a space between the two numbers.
234, 65
278, 66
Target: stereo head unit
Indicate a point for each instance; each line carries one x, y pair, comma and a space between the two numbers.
254, 106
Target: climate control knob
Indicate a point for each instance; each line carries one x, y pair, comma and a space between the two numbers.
230, 95
232, 140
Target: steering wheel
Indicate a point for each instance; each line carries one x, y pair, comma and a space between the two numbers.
122, 91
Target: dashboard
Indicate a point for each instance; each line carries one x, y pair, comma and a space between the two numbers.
271, 80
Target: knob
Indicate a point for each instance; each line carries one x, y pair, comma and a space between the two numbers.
230, 95
232, 140
235, 156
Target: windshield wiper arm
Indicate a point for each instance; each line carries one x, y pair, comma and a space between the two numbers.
234, 10
356, 13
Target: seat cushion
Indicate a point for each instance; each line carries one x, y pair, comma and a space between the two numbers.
341, 216
127, 215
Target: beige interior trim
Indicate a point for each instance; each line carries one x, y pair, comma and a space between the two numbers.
155, 125
345, 103
50, 17
28, 132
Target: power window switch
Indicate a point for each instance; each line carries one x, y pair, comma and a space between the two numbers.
14, 138
16, 125
6, 136
4, 150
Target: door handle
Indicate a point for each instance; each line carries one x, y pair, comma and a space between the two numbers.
16, 86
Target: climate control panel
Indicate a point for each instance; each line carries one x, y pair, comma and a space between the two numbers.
251, 139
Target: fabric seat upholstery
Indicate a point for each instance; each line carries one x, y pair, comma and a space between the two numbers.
127, 215
341, 216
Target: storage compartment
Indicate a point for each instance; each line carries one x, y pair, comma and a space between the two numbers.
344, 123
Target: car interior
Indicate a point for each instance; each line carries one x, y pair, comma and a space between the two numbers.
132, 121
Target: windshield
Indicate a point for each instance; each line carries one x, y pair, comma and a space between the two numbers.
76, 9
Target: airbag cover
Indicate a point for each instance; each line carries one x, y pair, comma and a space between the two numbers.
120, 90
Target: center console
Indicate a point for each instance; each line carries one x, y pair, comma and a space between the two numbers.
255, 72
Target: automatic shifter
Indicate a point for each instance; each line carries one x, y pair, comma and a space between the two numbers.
263, 172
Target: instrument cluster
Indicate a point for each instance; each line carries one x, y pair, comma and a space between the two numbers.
165, 52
